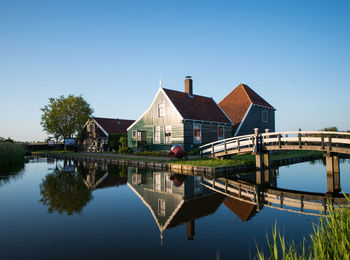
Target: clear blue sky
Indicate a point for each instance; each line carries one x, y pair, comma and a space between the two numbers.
295, 54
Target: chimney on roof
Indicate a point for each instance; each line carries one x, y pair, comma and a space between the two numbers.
188, 85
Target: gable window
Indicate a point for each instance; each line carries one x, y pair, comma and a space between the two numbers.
134, 135
167, 134
156, 135
197, 135
264, 116
161, 110
220, 132
161, 207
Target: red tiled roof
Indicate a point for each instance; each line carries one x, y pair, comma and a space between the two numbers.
236, 104
196, 107
114, 126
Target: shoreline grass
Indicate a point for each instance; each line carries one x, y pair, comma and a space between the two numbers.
11, 155
330, 239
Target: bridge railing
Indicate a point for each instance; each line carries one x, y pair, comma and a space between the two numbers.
234, 143
321, 139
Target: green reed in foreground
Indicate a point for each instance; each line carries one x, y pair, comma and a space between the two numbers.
11, 154
330, 239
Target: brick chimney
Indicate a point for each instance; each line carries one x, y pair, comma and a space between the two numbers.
188, 85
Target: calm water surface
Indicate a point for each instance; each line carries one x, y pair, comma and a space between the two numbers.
58, 210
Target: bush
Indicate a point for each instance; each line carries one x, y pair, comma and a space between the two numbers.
114, 141
125, 150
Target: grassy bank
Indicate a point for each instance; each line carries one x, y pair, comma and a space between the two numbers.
108, 156
210, 162
329, 240
11, 155
244, 159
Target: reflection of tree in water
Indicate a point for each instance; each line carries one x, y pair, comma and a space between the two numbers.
11, 172
64, 192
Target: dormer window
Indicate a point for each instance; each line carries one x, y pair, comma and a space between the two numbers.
161, 110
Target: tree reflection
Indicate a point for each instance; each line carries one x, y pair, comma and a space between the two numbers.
64, 192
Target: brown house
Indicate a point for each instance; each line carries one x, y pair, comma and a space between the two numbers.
247, 110
97, 130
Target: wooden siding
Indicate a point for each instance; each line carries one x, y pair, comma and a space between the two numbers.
254, 120
150, 119
209, 132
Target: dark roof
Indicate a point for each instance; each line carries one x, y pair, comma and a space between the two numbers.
197, 208
242, 209
236, 104
114, 126
196, 107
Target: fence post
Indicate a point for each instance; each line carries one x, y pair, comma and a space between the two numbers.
225, 147
299, 137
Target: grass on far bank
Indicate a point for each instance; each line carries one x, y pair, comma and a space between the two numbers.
330, 239
106, 155
246, 159
212, 162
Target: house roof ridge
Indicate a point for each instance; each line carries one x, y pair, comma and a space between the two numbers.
245, 91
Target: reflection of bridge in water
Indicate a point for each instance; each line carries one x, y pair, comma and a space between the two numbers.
263, 192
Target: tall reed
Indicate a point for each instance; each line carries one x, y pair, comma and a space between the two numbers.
10, 155
330, 239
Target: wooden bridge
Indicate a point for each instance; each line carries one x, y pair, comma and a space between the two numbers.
332, 143
308, 203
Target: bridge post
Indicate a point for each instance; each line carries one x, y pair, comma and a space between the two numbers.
259, 175
333, 173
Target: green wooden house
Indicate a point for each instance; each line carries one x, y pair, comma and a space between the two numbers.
176, 117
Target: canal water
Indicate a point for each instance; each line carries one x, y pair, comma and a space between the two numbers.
52, 209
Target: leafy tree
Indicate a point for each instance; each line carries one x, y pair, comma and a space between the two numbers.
65, 117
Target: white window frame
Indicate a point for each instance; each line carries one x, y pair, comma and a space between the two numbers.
223, 132
161, 109
156, 140
200, 134
169, 140
264, 112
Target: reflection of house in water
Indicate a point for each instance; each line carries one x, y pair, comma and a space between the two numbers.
173, 199
242, 208
100, 176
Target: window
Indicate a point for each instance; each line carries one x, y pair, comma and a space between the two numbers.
161, 207
139, 136
136, 178
134, 135
264, 116
168, 183
161, 110
197, 136
167, 134
156, 181
220, 132
156, 135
